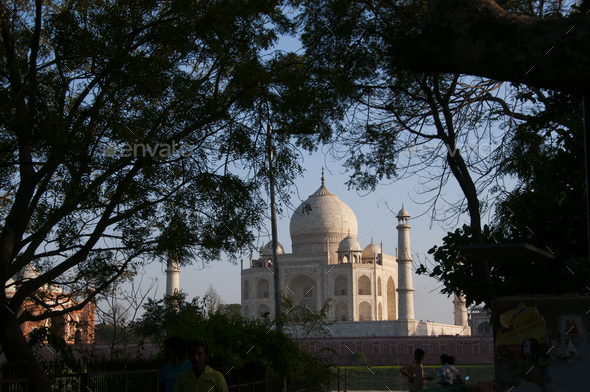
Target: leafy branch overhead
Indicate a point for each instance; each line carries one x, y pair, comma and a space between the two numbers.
546, 209
132, 132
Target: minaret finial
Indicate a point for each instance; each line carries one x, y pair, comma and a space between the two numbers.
323, 179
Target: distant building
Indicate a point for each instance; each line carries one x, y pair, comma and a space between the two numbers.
371, 291
74, 327
479, 321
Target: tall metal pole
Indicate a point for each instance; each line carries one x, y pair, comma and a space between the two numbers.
345, 380
273, 220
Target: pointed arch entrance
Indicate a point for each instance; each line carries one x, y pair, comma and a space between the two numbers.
391, 300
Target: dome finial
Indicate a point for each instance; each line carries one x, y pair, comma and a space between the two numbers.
323, 175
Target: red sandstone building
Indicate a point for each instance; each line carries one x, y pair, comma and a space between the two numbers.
74, 327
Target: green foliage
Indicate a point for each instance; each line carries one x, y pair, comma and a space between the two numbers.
233, 340
234, 310
168, 317
546, 155
302, 323
358, 357
40, 336
546, 209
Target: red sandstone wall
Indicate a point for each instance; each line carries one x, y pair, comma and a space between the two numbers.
379, 351
394, 350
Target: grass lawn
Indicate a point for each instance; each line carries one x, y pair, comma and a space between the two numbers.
382, 378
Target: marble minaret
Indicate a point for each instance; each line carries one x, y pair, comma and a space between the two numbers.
404, 267
172, 277
460, 310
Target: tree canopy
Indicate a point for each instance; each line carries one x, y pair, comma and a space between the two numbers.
539, 43
546, 209
133, 132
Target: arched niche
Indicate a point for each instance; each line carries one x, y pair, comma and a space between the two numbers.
365, 311
246, 289
302, 289
484, 327
364, 284
341, 311
391, 301
262, 289
263, 311
341, 286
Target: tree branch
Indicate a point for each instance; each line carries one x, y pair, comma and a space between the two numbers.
478, 37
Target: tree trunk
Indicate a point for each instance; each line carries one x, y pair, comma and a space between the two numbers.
482, 268
478, 37
16, 349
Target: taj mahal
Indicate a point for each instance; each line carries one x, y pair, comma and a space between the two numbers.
371, 292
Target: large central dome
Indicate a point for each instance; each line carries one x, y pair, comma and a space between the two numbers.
322, 217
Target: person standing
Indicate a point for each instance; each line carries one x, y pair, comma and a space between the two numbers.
200, 377
175, 350
415, 372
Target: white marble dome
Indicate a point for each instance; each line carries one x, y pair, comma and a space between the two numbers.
322, 217
349, 243
371, 250
267, 249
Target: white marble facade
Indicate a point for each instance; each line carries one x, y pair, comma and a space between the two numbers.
328, 262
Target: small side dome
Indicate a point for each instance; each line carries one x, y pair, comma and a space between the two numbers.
267, 249
371, 250
349, 243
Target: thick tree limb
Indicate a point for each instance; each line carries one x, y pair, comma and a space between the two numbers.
478, 37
